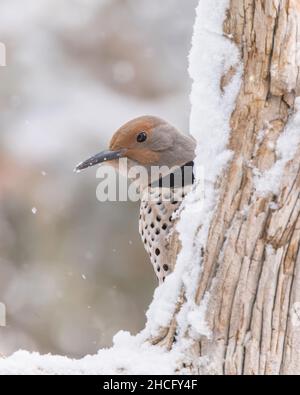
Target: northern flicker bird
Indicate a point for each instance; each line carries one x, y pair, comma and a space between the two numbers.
150, 141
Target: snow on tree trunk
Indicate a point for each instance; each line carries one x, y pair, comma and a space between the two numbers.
232, 305
239, 270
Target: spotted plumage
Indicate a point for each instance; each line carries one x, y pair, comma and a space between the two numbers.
158, 216
152, 142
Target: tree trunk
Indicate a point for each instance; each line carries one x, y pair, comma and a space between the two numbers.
251, 265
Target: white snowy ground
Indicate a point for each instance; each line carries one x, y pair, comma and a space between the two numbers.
212, 55
128, 356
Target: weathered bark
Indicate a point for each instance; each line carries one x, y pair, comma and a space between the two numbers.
251, 267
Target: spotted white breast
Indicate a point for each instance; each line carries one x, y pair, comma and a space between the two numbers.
157, 227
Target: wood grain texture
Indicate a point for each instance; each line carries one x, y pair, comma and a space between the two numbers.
251, 267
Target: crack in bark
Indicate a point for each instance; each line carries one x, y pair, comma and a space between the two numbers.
251, 265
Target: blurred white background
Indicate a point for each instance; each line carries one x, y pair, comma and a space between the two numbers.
72, 270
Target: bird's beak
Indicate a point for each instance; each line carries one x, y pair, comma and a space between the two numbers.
102, 157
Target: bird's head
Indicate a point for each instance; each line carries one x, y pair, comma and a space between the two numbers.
146, 141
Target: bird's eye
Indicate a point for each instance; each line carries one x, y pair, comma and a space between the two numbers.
141, 137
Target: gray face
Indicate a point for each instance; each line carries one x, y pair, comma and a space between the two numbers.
174, 148
147, 141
